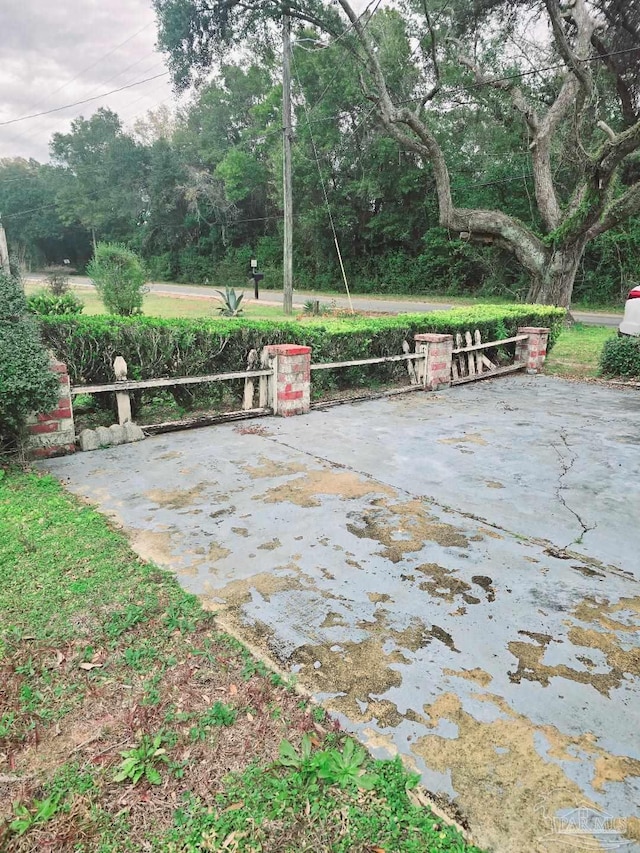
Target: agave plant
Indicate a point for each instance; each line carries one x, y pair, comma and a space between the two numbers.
232, 300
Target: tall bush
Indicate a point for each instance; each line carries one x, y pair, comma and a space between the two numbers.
26, 382
120, 277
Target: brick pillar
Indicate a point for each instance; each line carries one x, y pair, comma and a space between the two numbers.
291, 386
53, 433
435, 371
533, 351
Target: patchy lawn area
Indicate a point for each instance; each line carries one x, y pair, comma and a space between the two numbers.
128, 722
576, 354
172, 306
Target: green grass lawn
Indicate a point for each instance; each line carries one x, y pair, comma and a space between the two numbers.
157, 305
577, 351
128, 722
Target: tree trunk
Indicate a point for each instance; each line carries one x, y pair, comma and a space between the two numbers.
553, 285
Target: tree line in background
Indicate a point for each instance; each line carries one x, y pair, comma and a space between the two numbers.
198, 194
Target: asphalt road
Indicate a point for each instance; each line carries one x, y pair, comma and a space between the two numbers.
360, 303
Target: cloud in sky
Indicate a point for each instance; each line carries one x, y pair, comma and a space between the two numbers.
55, 53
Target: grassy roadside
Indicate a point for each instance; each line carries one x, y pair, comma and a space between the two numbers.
129, 723
576, 354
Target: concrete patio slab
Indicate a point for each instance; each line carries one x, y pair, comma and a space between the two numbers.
455, 575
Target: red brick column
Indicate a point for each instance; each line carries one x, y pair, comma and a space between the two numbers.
435, 371
291, 385
533, 351
53, 433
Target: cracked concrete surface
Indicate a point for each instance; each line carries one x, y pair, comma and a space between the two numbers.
455, 575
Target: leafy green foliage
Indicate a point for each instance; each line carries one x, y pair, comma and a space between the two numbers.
46, 303
119, 277
621, 357
26, 381
231, 302
142, 761
335, 767
154, 347
41, 811
219, 714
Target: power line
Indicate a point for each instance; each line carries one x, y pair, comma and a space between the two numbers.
97, 61
85, 100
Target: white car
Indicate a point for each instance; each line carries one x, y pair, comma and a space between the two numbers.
631, 321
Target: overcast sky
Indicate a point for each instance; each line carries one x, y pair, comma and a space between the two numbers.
55, 52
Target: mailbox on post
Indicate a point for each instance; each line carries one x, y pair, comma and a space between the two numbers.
257, 278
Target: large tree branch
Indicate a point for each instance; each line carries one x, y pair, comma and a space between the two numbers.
615, 149
585, 27
626, 205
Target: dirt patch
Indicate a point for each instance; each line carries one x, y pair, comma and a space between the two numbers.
486, 584
361, 672
601, 613
176, 498
236, 593
152, 545
268, 468
444, 583
270, 546
492, 534
467, 438
171, 454
531, 667
376, 597
304, 491
240, 531
217, 552
614, 768
477, 675
493, 484
499, 774
404, 528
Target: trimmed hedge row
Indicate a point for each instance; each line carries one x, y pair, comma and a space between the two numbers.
154, 347
621, 357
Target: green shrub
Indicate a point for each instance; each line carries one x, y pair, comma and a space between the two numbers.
58, 281
621, 357
26, 382
119, 277
154, 347
45, 303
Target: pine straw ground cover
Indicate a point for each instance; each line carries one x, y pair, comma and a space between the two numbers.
128, 722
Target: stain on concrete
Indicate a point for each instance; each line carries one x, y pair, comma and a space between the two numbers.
269, 468
492, 534
153, 545
176, 498
614, 768
486, 584
531, 666
240, 531
360, 674
217, 552
171, 454
499, 774
445, 583
271, 545
376, 597
404, 528
493, 484
467, 438
477, 675
304, 491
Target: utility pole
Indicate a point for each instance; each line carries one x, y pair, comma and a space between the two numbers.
286, 162
4, 252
